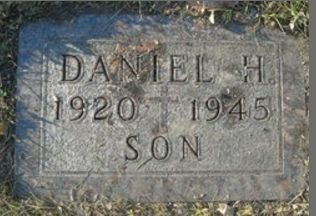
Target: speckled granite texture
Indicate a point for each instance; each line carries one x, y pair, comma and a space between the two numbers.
157, 109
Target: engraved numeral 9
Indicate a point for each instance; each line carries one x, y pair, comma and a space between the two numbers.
78, 104
213, 105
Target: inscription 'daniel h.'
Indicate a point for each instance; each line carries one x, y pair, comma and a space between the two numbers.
157, 110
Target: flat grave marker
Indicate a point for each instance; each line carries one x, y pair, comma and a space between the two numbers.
157, 110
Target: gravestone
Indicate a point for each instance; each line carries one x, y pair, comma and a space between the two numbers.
155, 109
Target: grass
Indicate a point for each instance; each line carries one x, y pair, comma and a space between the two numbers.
291, 17
288, 16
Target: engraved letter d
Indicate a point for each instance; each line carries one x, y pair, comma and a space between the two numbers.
71, 68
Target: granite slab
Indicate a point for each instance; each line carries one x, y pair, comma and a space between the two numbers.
157, 109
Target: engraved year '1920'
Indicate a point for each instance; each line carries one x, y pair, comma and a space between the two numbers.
127, 109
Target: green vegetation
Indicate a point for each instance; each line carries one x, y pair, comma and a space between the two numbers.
287, 15
291, 17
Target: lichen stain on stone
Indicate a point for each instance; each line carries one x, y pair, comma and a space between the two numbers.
295, 161
232, 69
114, 178
230, 95
148, 46
284, 186
84, 194
136, 90
141, 47
143, 50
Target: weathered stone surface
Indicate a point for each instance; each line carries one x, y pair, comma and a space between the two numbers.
154, 109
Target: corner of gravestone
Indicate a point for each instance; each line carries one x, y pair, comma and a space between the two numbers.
157, 110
